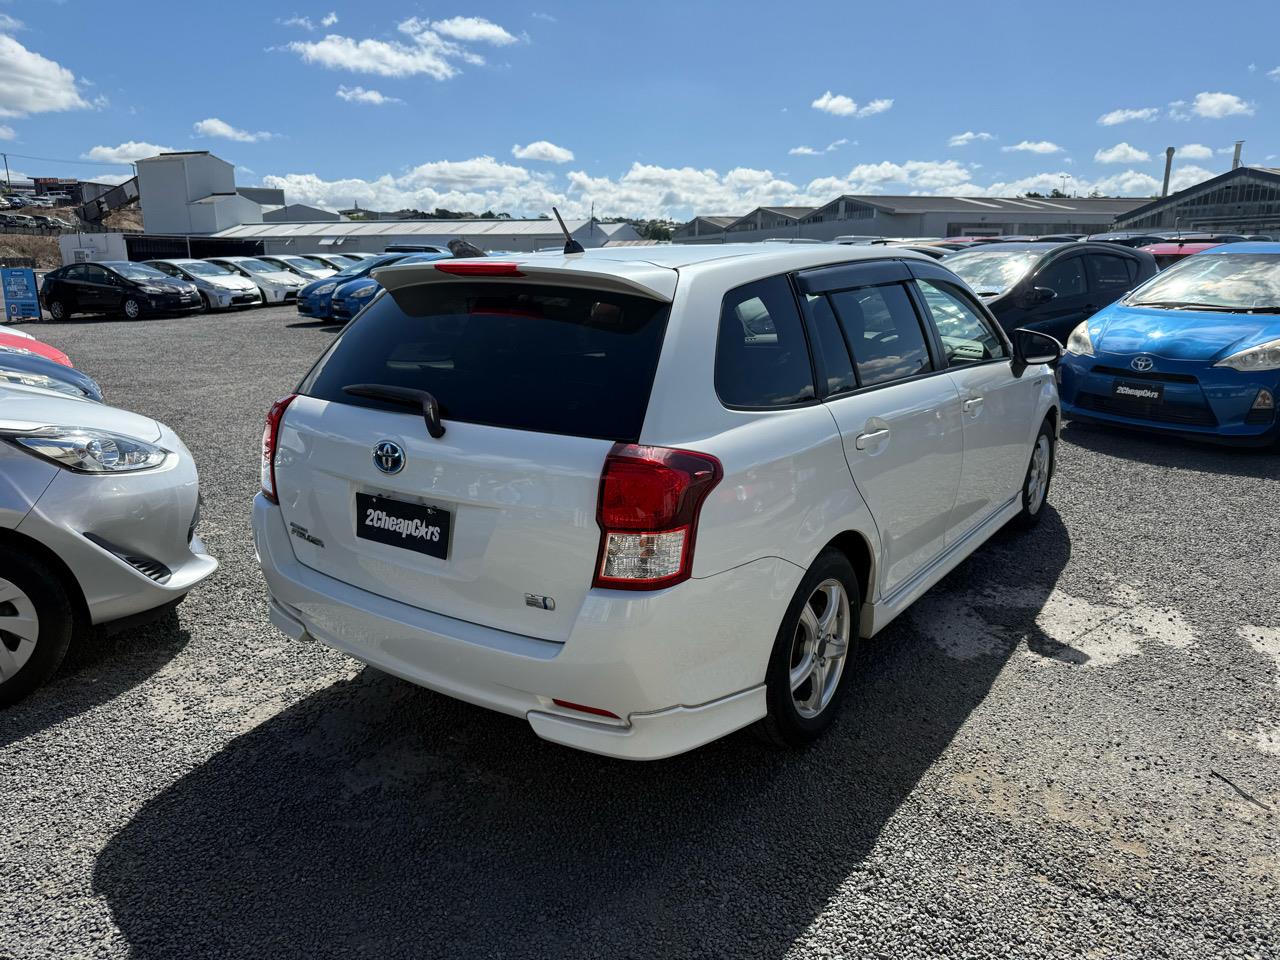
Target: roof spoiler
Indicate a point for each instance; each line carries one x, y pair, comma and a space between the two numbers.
633, 277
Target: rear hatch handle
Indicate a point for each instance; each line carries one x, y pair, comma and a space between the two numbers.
405, 396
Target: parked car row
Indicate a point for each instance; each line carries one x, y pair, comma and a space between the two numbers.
34, 222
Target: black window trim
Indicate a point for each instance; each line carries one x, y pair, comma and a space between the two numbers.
789, 279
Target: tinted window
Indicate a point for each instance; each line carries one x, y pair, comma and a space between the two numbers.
1064, 277
95, 274
966, 335
1112, 274
762, 359
77, 272
836, 364
883, 331
550, 359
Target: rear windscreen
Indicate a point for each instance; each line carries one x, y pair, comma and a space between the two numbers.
524, 356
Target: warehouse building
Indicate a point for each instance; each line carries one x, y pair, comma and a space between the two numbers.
919, 216
1244, 200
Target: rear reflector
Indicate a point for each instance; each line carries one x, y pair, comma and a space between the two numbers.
650, 498
478, 268
270, 437
594, 711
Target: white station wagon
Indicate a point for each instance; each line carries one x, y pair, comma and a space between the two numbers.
646, 497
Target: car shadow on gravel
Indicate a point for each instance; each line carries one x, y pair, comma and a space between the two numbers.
380, 819
99, 667
1145, 447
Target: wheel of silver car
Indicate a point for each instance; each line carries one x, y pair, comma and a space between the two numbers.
808, 668
819, 648
35, 623
132, 308
1035, 488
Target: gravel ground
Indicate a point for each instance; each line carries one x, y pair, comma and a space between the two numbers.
1071, 747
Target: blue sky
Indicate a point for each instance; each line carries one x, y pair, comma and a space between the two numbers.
646, 109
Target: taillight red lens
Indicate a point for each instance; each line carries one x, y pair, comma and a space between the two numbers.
479, 268
270, 435
650, 498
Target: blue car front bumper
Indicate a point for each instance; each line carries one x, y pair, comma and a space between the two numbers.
316, 306
344, 308
1183, 397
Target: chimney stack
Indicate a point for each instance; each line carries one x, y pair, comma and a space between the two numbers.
1235, 160
1168, 168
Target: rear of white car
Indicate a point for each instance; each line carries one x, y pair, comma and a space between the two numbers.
514, 483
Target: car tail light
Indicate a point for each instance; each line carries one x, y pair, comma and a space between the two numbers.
583, 708
650, 498
479, 268
270, 434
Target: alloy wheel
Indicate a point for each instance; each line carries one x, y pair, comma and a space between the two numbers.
820, 648
131, 309
1038, 474
19, 629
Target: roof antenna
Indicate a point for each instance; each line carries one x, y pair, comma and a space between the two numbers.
570, 245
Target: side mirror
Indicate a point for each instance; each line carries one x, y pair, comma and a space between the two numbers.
1031, 348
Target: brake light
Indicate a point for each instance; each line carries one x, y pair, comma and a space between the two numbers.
650, 498
479, 268
270, 434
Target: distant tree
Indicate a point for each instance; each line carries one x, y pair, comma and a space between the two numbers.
1033, 194
1056, 194
654, 229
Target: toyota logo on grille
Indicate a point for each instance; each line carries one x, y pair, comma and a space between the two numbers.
388, 457
1142, 364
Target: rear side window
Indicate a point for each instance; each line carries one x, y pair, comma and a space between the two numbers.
1113, 275
884, 333
762, 359
836, 364
1065, 278
523, 356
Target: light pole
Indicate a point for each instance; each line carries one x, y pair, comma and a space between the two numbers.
1065, 177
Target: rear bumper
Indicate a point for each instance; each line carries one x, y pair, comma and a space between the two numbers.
680, 667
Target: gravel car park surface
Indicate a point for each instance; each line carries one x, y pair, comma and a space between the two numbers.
1070, 747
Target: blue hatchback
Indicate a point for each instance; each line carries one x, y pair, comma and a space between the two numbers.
1195, 351
316, 298
352, 296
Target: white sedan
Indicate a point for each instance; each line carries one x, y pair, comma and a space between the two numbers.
277, 285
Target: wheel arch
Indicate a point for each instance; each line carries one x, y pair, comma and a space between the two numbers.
79, 607
856, 547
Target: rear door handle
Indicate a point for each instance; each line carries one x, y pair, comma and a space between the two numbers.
972, 405
864, 440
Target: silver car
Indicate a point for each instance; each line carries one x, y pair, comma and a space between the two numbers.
220, 287
98, 512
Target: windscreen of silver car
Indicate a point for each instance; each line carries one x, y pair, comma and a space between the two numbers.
527, 357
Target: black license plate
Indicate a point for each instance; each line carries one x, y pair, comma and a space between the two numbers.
1142, 391
413, 526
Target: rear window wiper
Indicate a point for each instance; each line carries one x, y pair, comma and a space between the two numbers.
406, 397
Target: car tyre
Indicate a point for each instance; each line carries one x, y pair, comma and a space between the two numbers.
58, 310
131, 308
35, 624
806, 676
1035, 486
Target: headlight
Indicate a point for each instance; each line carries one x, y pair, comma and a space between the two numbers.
1080, 343
90, 451
149, 289
324, 288
1265, 356
25, 379
365, 290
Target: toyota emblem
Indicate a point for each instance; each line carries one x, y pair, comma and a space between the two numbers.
388, 457
1142, 364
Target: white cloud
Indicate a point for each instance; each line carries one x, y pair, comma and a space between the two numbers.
1215, 106
1033, 146
839, 105
803, 151
968, 137
835, 103
543, 16
34, 84
542, 150
7, 132
296, 21
359, 94
1121, 153
473, 30
1274, 74
1195, 151
1125, 114
213, 127
126, 152
427, 52
329, 19
9, 24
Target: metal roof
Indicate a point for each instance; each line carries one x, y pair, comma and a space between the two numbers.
940, 204
1148, 207
399, 228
